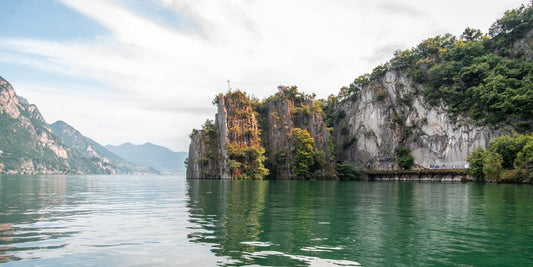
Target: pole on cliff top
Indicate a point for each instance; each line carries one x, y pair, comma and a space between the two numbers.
228, 86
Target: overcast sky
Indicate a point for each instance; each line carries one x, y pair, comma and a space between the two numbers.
147, 71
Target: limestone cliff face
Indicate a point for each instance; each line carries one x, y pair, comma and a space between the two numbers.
230, 147
384, 115
283, 113
254, 140
389, 113
221, 122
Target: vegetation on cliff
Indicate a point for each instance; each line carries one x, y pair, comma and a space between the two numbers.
308, 162
484, 77
392, 118
298, 139
18, 147
404, 158
281, 137
506, 159
244, 150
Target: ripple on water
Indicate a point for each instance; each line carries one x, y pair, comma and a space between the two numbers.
257, 243
321, 248
311, 261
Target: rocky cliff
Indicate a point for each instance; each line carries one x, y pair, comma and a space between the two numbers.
390, 113
29, 146
282, 114
366, 129
283, 137
429, 107
229, 148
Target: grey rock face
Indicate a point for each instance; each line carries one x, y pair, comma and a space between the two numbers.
390, 113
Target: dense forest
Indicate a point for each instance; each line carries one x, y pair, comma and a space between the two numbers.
486, 77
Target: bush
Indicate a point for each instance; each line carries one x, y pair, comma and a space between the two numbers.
504, 154
345, 130
404, 158
524, 160
475, 160
492, 165
303, 153
380, 96
348, 171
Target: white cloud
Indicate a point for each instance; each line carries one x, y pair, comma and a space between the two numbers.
165, 77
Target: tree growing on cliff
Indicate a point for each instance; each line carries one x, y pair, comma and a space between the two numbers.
244, 150
347, 171
486, 79
404, 158
303, 153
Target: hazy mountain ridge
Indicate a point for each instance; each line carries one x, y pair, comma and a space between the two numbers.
91, 149
150, 155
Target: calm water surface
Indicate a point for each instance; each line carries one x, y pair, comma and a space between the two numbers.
167, 220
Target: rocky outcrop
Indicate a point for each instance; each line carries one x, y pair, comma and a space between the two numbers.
389, 113
524, 46
230, 147
254, 140
468, 91
284, 112
221, 122
369, 126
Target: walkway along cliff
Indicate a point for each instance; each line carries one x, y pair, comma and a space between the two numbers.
286, 136
428, 108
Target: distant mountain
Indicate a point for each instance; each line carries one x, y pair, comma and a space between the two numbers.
91, 149
150, 155
28, 145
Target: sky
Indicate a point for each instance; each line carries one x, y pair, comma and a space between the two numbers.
147, 70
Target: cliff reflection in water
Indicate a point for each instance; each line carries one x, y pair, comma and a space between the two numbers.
346, 223
266, 222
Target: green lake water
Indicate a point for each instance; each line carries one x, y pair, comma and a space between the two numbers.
170, 221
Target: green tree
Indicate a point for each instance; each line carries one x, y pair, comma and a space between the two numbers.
303, 153
492, 165
513, 25
470, 35
404, 158
348, 171
475, 160
524, 159
506, 147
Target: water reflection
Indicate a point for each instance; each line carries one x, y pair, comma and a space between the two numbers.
266, 222
337, 223
160, 220
95, 220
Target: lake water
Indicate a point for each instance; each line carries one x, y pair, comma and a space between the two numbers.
167, 220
